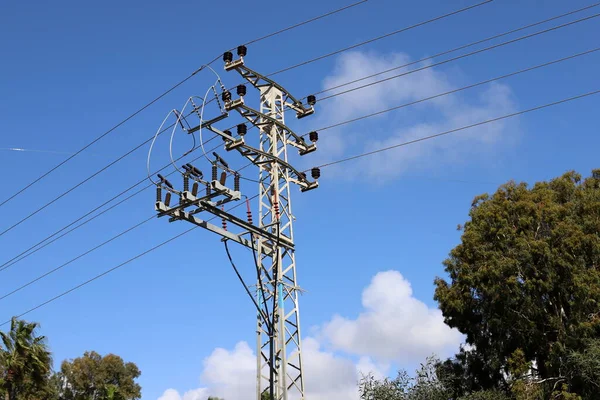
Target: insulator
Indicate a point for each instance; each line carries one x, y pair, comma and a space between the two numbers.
228, 133
223, 221
195, 189
223, 178
228, 57
226, 96
313, 136
302, 175
236, 182
275, 203
158, 194
241, 90
315, 173
214, 172
248, 211
186, 183
311, 100
242, 129
208, 189
242, 51
168, 199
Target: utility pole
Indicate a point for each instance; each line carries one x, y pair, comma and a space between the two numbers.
278, 341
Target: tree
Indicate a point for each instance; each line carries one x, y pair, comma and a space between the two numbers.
525, 280
93, 377
25, 362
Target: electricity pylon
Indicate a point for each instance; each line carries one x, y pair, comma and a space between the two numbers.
279, 347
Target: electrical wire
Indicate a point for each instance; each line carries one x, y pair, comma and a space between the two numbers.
321, 166
497, 78
460, 129
158, 132
528, 69
462, 56
304, 22
371, 40
75, 259
260, 311
107, 271
462, 47
16, 259
2, 267
44, 175
101, 275
380, 37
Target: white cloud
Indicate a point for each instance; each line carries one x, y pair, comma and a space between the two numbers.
197, 394
427, 118
231, 374
395, 326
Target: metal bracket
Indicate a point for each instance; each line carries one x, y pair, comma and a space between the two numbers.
255, 79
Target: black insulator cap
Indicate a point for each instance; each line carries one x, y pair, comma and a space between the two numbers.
242, 51
313, 136
228, 133
302, 175
228, 56
311, 99
242, 129
226, 96
241, 90
315, 173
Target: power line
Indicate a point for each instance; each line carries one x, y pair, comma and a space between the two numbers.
105, 272
304, 22
45, 174
462, 56
75, 259
460, 129
101, 275
324, 166
178, 84
423, 100
379, 38
321, 166
459, 89
461, 47
16, 259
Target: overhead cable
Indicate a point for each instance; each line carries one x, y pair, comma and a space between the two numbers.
460, 129
178, 84
462, 56
462, 47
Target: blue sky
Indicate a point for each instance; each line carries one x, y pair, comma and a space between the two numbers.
71, 71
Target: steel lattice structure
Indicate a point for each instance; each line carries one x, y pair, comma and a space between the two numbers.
279, 349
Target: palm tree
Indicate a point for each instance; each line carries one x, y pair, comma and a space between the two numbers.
25, 362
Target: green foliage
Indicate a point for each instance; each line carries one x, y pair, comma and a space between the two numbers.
425, 385
93, 377
25, 362
524, 287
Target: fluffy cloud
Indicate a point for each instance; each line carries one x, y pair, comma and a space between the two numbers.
232, 375
197, 394
427, 118
395, 326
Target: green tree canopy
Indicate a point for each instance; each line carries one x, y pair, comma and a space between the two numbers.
93, 377
25, 362
524, 285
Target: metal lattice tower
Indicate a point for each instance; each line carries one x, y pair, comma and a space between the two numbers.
279, 350
275, 213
